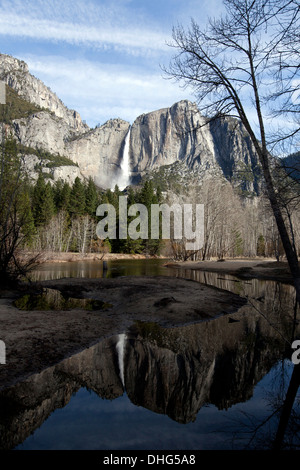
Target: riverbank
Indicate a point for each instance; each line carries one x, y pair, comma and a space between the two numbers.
259, 268
241, 268
56, 257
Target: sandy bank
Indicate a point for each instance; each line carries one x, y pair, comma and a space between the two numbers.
55, 257
241, 268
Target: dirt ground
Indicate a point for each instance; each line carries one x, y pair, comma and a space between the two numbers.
242, 268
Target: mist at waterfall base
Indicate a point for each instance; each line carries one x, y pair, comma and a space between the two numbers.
124, 178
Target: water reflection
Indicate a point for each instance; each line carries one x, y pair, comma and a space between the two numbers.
214, 385
174, 372
52, 299
95, 269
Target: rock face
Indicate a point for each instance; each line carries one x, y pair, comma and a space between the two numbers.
181, 134
16, 74
99, 152
169, 136
44, 131
234, 151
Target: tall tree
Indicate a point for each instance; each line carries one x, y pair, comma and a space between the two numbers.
231, 65
42, 202
77, 198
61, 193
16, 221
91, 198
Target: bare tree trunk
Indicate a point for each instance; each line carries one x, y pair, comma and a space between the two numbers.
287, 407
226, 64
290, 252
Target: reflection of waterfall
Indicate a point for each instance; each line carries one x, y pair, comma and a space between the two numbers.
125, 164
120, 350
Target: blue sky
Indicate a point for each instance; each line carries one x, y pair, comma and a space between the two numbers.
101, 57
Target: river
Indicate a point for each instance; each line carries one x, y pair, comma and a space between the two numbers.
211, 386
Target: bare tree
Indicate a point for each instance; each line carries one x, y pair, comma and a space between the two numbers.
83, 231
232, 66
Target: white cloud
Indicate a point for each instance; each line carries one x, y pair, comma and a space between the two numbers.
103, 91
76, 34
81, 25
101, 57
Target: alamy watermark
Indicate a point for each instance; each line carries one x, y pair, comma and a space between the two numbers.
2, 352
186, 221
2, 93
296, 354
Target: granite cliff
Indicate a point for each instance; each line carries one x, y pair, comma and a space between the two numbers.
163, 138
16, 74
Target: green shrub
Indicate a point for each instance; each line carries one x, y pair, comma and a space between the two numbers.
16, 107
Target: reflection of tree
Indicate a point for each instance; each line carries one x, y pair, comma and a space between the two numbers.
178, 371
280, 428
288, 427
286, 411
283, 406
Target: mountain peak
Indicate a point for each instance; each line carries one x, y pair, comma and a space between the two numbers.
160, 138
15, 73
12, 63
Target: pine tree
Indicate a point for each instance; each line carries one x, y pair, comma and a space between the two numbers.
91, 198
61, 192
159, 196
28, 227
148, 197
48, 207
65, 196
131, 197
77, 198
117, 191
147, 194
43, 206
37, 197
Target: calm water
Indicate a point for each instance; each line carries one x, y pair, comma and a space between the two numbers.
215, 385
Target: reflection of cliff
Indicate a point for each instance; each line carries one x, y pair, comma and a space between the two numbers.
177, 371
24, 407
174, 371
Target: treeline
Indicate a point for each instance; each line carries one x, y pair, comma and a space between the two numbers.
64, 217
237, 226
59, 217
64, 220
147, 195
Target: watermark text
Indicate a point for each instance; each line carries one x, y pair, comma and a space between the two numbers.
296, 353
180, 222
2, 352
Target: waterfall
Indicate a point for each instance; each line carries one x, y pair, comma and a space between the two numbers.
125, 164
120, 350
